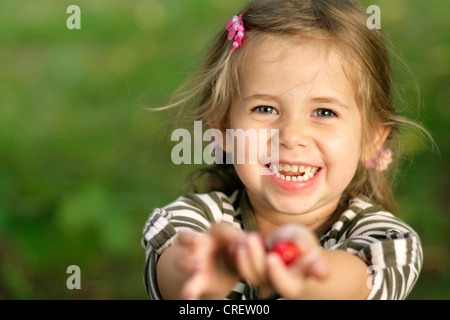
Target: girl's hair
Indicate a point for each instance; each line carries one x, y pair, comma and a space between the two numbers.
339, 23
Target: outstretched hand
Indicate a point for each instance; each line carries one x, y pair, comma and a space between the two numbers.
282, 262
217, 259
207, 261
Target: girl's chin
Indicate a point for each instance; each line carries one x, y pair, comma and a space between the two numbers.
293, 205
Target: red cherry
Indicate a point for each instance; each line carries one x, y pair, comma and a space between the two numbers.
287, 250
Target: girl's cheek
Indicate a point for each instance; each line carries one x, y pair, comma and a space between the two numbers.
342, 152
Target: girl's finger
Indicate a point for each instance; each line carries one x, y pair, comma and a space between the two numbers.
242, 259
194, 287
249, 259
187, 263
312, 264
318, 268
288, 282
189, 238
257, 255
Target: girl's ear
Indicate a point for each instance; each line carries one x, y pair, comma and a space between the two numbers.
380, 134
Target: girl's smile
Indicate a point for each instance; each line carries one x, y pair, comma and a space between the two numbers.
293, 177
303, 91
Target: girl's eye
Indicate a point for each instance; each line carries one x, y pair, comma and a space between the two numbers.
324, 113
266, 109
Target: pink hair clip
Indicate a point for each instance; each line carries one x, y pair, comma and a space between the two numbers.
380, 161
235, 29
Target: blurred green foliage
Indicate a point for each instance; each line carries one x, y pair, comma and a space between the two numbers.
82, 163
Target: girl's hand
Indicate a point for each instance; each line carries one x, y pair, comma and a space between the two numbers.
250, 257
206, 260
289, 280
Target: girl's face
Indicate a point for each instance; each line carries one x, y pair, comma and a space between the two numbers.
302, 91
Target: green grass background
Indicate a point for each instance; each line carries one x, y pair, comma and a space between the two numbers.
82, 164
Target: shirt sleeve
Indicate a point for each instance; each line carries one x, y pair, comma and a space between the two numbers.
195, 212
390, 248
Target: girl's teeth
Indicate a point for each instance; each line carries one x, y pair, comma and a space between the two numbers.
308, 172
292, 168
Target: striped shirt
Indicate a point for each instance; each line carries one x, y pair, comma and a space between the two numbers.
389, 247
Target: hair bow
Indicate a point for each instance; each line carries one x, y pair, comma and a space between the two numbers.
235, 29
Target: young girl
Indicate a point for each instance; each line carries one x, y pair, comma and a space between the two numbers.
312, 70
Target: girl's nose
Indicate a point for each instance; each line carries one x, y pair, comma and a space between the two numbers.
293, 134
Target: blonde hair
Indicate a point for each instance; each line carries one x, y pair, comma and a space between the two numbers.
342, 24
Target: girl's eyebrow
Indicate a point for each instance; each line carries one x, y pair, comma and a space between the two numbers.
266, 97
330, 100
325, 99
